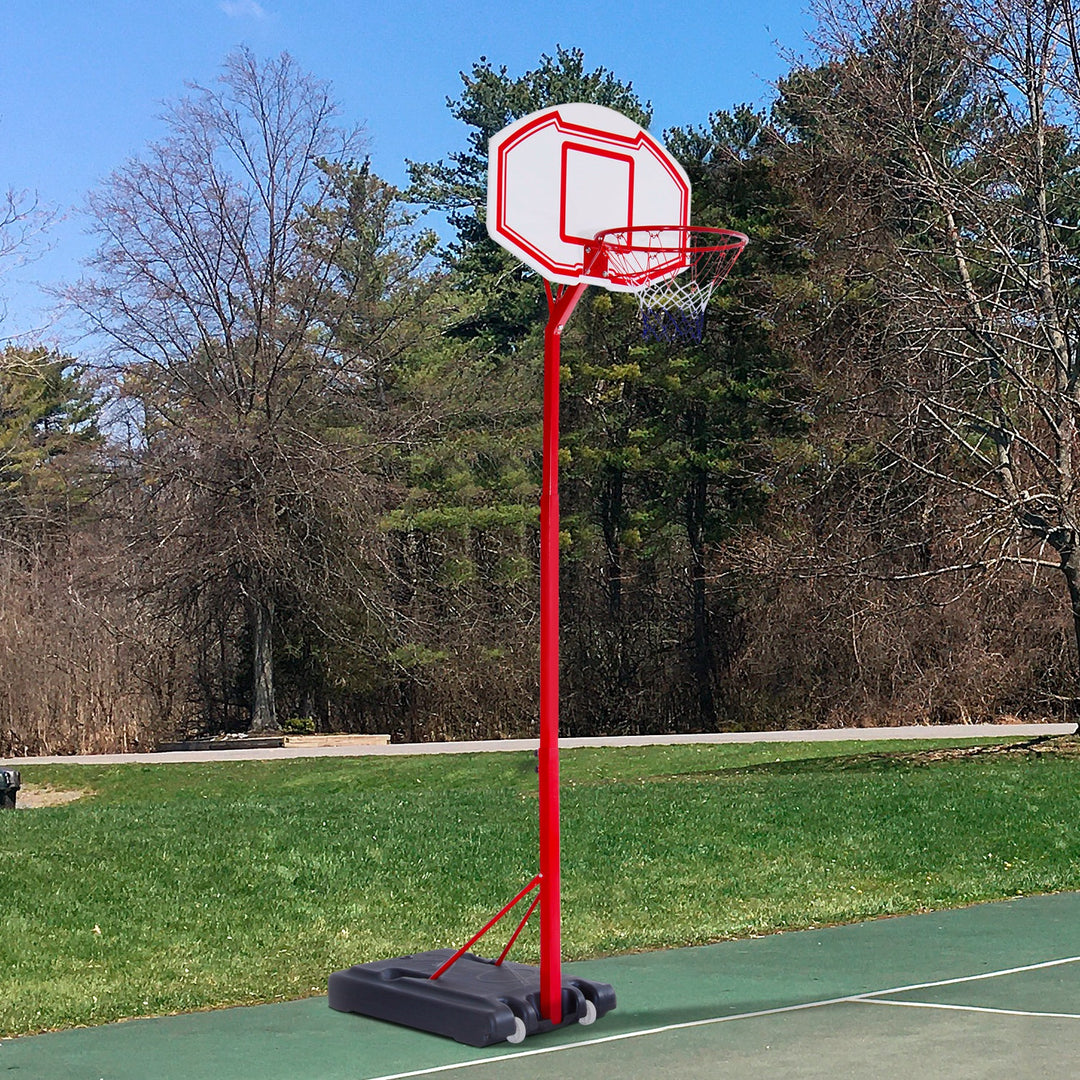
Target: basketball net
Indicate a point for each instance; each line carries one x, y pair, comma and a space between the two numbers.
673, 270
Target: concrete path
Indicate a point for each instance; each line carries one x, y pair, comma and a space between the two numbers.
942, 731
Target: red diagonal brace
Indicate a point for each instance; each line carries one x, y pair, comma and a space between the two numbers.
520, 927
480, 933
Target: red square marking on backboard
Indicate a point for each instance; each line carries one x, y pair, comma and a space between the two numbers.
595, 183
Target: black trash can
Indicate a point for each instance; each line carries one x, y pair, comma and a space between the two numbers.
9, 786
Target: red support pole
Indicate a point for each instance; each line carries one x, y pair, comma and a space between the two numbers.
561, 303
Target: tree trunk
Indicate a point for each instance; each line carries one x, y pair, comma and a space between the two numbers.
260, 621
1070, 568
702, 655
611, 519
308, 681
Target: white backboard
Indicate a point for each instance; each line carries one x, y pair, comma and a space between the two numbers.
559, 176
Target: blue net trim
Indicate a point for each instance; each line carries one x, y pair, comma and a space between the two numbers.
672, 324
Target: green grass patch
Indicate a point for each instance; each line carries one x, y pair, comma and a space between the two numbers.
176, 887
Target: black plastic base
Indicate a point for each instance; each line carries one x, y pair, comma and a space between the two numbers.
475, 1001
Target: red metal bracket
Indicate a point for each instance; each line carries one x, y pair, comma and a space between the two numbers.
489, 924
520, 927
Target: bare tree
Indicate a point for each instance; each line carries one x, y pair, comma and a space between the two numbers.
943, 135
214, 301
23, 221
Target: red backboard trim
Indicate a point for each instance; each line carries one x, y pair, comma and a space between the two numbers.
595, 151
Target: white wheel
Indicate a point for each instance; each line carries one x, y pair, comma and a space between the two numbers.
590, 1014
519, 1031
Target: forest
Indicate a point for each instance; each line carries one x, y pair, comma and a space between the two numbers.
292, 482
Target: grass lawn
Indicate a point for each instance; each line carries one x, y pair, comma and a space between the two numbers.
176, 887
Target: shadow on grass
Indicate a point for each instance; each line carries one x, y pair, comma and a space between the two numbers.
1056, 746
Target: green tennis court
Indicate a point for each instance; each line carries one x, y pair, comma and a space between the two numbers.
987, 991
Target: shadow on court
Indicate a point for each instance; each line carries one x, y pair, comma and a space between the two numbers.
988, 991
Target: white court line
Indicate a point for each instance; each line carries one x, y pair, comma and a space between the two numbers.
609, 1039
970, 978
968, 1008
850, 999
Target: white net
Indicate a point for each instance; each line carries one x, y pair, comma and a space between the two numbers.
673, 270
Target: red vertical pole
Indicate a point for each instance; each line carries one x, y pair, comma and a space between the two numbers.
561, 303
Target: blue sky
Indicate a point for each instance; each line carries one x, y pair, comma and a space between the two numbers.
81, 85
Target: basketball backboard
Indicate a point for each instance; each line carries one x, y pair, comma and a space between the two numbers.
559, 176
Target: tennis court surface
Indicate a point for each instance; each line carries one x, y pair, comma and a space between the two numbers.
988, 991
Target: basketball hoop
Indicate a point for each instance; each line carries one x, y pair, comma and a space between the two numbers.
672, 269
559, 182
